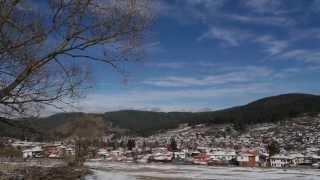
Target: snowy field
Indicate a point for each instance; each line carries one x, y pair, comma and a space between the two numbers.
121, 171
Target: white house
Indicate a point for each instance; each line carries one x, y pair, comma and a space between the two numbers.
162, 154
282, 161
298, 158
32, 152
181, 155
222, 155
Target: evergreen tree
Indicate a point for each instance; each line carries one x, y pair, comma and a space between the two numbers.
173, 144
273, 148
131, 144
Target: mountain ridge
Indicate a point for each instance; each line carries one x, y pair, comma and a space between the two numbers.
269, 109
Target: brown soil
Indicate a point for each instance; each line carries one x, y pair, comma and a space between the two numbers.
43, 173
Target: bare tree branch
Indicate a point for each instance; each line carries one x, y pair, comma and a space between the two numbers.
43, 54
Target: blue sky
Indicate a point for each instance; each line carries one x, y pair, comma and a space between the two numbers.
212, 54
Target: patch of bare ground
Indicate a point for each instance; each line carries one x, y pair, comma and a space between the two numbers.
45, 173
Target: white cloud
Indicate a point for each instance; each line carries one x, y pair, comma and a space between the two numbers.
234, 37
273, 7
307, 55
280, 21
189, 11
234, 75
163, 100
273, 46
153, 47
178, 65
263, 6
230, 36
170, 65
230, 76
206, 3
210, 12
188, 93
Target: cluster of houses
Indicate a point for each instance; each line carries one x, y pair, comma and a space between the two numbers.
198, 156
298, 140
216, 145
43, 150
209, 156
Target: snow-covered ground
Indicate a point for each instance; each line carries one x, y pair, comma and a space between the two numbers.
121, 171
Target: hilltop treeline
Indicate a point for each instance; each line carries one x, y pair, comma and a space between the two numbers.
271, 109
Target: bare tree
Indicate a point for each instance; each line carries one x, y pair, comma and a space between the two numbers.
46, 47
85, 131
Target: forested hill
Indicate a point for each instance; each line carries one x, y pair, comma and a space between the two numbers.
18, 129
271, 109
147, 122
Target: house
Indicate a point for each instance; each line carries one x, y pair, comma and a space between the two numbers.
247, 159
35, 152
201, 159
162, 155
299, 158
282, 161
222, 155
53, 151
178, 155
117, 155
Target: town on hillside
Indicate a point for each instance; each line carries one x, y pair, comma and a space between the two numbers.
286, 144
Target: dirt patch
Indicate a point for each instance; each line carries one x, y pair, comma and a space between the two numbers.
46, 173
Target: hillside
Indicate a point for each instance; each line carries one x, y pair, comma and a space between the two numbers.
146, 122
18, 129
270, 109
